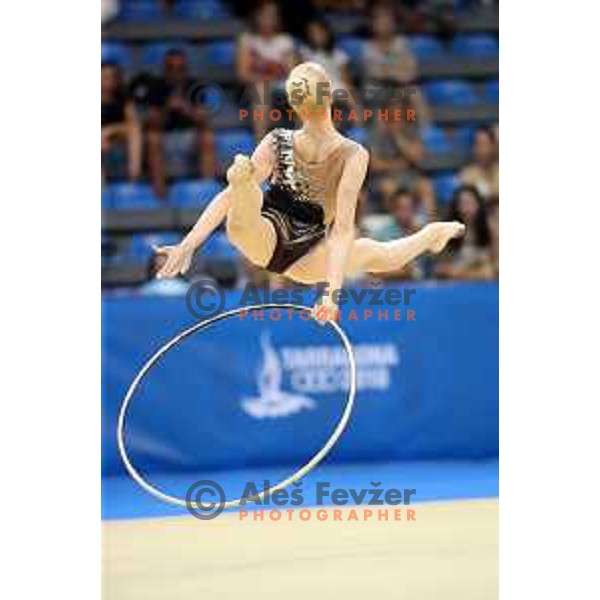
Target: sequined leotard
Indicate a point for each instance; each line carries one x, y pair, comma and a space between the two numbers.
300, 200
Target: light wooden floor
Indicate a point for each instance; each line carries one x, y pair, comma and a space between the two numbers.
450, 552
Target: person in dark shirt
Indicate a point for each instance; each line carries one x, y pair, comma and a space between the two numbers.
397, 151
471, 257
120, 123
174, 106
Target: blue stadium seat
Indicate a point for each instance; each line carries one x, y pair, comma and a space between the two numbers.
435, 141
352, 47
463, 138
120, 54
475, 46
491, 91
359, 134
141, 10
133, 196
115, 256
153, 55
231, 142
163, 238
218, 104
227, 250
218, 247
426, 47
105, 248
193, 194
180, 148
140, 250
444, 186
451, 92
203, 10
219, 53
107, 200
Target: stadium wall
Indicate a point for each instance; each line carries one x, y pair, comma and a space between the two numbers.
246, 394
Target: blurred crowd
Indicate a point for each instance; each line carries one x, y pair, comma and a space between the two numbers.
398, 197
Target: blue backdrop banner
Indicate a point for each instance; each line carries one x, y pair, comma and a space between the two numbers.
267, 389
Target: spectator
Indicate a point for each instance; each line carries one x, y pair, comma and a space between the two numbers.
265, 56
494, 208
482, 172
402, 218
386, 56
320, 48
493, 211
175, 107
396, 151
120, 123
469, 257
294, 15
403, 209
387, 187
496, 134
340, 5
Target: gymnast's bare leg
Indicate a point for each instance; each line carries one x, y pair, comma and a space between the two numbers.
370, 256
252, 234
240, 206
255, 237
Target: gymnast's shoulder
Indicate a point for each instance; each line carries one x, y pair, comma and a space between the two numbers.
355, 151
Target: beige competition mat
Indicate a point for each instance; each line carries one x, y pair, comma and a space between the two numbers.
450, 551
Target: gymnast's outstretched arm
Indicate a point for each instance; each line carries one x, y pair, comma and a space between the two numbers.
178, 258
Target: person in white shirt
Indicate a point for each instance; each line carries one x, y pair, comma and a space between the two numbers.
320, 48
265, 56
387, 57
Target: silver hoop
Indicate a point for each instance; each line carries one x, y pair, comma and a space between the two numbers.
301, 472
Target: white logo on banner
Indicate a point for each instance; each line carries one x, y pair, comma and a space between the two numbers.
272, 401
315, 370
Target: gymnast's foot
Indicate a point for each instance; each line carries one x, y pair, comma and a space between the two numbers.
241, 171
441, 233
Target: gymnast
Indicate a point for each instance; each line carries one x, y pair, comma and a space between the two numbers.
303, 225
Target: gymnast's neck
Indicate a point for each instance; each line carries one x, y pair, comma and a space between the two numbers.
319, 127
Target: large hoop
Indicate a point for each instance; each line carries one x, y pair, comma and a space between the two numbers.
301, 472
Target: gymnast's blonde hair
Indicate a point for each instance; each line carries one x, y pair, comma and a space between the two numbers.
308, 88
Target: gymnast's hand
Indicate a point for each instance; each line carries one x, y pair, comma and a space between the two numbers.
171, 261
